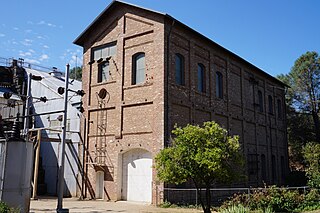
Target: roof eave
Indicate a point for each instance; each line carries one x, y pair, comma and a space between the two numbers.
80, 39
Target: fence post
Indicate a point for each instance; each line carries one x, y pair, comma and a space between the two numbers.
248, 194
196, 197
156, 195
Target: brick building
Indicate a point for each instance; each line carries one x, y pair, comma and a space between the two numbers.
145, 71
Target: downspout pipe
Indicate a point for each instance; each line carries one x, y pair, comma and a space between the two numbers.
167, 127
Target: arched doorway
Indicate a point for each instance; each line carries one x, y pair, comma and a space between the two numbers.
137, 176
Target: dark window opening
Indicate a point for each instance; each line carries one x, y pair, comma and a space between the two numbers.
260, 99
219, 85
138, 68
274, 169
179, 69
253, 164
201, 78
279, 108
270, 101
103, 71
263, 168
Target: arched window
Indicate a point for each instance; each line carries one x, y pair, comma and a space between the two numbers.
138, 68
219, 85
179, 69
103, 71
263, 168
260, 99
283, 169
274, 169
201, 78
270, 102
279, 105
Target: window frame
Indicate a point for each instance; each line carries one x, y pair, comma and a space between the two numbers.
279, 108
263, 168
201, 76
179, 74
274, 169
260, 100
270, 105
108, 48
136, 71
101, 67
219, 85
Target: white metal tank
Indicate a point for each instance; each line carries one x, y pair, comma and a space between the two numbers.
16, 158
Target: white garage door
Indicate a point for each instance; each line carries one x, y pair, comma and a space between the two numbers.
137, 176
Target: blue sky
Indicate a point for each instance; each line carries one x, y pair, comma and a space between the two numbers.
269, 34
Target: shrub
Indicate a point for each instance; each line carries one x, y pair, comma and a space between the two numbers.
269, 199
235, 209
311, 154
4, 208
310, 202
165, 204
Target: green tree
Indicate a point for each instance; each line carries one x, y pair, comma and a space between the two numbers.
300, 127
302, 99
76, 73
304, 80
206, 155
311, 154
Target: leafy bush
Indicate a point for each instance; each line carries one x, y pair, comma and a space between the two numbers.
4, 208
271, 199
311, 154
310, 202
235, 209
165, 204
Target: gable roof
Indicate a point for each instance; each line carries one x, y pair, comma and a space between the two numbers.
82, 37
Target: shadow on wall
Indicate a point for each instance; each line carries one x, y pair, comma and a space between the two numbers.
48, 166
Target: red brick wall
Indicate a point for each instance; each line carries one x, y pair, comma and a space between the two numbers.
260, 133
134, 112
143, 115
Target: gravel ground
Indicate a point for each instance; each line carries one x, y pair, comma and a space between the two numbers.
74, 205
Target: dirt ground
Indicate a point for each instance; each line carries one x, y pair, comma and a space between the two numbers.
50, 204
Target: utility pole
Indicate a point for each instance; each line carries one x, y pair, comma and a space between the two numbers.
28, 101
63, 146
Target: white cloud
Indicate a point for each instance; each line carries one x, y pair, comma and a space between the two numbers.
31, 50
46, 23
75, 61
28, 31
24, 54
41, 22
26, 42
43, 57
72, 56
46, 46
51, 25
32, 61
15, 28
30, 22
2, 35
40, 37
